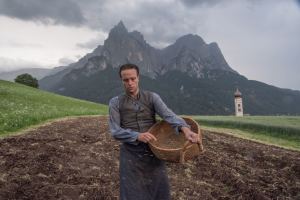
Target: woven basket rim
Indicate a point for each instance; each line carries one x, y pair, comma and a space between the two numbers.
165, 149
175, 149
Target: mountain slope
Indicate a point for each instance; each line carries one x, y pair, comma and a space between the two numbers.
210, 95
192, 77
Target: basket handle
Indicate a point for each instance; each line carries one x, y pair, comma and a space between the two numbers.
185, 146
183, 151
200, 145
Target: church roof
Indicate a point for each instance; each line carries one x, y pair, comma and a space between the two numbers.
237, 93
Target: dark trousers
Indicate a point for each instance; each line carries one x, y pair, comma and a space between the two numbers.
142, 175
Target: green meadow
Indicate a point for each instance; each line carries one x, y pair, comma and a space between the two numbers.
283, 131
22, 106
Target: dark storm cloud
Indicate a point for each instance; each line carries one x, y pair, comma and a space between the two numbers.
65, 12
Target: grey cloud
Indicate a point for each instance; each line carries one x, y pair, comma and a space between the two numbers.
92, 44
9, 64
242, 26
250, 33
19, 44
211, 3
65, 61
160, 23
65, 12
192, 3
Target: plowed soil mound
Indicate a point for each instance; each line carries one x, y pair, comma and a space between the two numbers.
77, 159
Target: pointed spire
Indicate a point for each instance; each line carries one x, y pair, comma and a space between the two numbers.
237, 93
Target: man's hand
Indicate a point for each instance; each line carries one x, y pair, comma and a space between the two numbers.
190, 135
146, 137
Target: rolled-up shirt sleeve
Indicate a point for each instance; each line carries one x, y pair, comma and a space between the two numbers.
165, 113
119, 133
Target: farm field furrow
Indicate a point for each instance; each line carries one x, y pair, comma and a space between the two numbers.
78, 159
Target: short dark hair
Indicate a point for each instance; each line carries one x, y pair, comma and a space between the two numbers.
128, 66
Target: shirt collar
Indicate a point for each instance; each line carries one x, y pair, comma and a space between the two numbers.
137, 96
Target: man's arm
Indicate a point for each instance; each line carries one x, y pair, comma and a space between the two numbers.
165, 113
176, 122
123, 135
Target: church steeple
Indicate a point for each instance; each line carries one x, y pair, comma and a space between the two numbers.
237, 93
238, 103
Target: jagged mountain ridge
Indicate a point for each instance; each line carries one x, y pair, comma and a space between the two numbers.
188, 54
207, 81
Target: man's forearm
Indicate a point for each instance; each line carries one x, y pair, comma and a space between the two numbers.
189, 134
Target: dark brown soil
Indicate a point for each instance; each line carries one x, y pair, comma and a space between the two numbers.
77, 159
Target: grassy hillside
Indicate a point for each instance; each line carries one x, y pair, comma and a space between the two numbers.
279, 130
22, 106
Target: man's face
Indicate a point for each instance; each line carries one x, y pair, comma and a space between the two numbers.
130, 81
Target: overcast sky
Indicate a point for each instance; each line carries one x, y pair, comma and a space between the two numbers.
259, 38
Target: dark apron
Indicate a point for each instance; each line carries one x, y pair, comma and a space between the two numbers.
142, 175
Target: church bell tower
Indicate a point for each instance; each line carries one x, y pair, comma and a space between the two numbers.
238, 103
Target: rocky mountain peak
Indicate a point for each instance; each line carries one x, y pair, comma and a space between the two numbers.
129, 47
138, 36
119, 30
189, 54
190, 41
194, 72
187, 42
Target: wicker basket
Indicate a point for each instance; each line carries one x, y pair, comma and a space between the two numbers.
174, 147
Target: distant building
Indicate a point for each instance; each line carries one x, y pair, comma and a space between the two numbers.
238, 103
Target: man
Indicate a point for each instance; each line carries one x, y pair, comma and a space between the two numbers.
142, 175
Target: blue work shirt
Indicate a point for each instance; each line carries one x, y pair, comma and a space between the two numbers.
130, 136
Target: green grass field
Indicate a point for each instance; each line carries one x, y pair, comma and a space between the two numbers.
22, 106
282, 131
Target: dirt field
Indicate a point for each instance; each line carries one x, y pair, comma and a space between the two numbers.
77, 159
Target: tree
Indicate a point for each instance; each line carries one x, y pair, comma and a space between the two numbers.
27, 79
